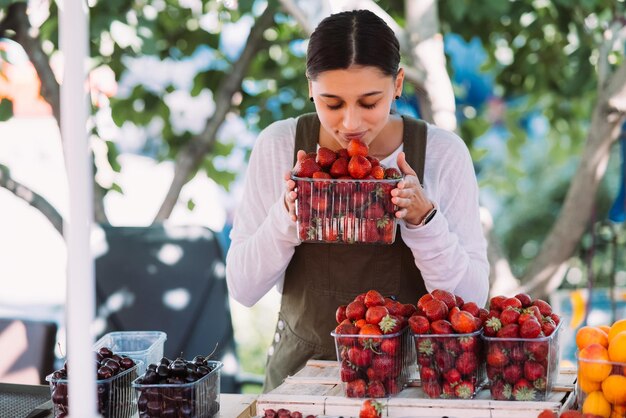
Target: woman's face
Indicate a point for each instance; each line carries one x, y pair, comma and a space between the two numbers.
355, 102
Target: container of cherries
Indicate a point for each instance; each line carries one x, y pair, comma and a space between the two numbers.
179, 388
115, 373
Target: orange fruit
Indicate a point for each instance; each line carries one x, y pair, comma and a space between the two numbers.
617, 348
596, 404
588, 335
619, 411
586, 385
616, 328
614, 389
593, 363
605, 328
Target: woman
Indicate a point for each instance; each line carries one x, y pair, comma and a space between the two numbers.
354, 76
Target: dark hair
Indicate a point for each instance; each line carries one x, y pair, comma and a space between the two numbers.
356, 37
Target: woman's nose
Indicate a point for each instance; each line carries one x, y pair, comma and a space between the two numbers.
351, 118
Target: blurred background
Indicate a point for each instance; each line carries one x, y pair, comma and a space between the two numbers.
179, 91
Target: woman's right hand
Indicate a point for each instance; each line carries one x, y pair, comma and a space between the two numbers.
290, 194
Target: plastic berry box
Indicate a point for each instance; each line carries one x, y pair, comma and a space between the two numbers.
144, 346
345, 211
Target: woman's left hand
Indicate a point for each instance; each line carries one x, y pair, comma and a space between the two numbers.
409, 195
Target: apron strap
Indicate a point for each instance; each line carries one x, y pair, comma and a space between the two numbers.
307, 134
414, 138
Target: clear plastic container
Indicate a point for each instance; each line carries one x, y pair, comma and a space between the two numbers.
450, 365
199, 399
377, 366
601, 387
116, 397
144, 346
345, 211
522, 369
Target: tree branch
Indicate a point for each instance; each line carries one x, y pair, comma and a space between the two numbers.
32, 198
192, 155
17, 20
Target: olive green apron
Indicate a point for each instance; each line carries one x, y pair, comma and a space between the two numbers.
321, 277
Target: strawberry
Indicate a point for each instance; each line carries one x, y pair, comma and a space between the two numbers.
390, 324
346, 327
357, 147
325, 157
483, 314
422, 301
359, 167
511, 302
432, 389
544, 307
444, 360
374, 211
348, 371
459, 300
517, 354
524, 391
441, 327
509, 316
452, 311
435, 310
556, 318
548, 326
355, 310
360, 357
469, 343
530, 329
444, 296
371, 409
340, 314
452, 376
492, 326
371, 233
393, 306
408, 310
306, 168
378, 172
343, 153
464, 390
425, 346
501, 391
472, 308
356, 389
537, 350
495, 303
369, 335
512, 373
360, 323
384, 365
509, 331
576, 414
533, 370
374, 161
463, 322
373, 298
419, 324
524, 298
467, 363
375, 389
391, 385
428, 374
447, 390
392, 173
547, 413
534, 311
321, 175
390, 346
496, 356
375, 314
339, 168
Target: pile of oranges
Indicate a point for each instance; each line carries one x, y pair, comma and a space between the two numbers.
602, 369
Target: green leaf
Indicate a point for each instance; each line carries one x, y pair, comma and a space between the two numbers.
6, 109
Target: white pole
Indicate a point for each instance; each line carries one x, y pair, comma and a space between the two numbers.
80, 302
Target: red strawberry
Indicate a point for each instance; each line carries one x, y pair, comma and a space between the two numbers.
459, 301
356, 389
359, 167
419, 324
428, 374
524, 298
343, 153
326, 157
509, 331
340, 314
444, 360
576, 414
375, 389
547, 413
496, 356
447, 390
374, 211
524, 391
452, 311
534, 311
501, 391
435, 310
495, 303
392, 173
548, 326
492, 326
360, 357
441, 327
432, 389
544, 307
483, 314
321, 175
370, 335
390, 346
472, 308
378, 172
391, 385
339, 168
355, 310
511, 302
348, 372
384, 365
512, 373
394, 307
537, 350
375, 161
444, 296
346, 327
517, 354
555, 318
469, 343
357, 147
422, 301
452, 376
509, 316
306, 168
463, 322
530, 329
533, 370
373, 298
375, 314
464, 390
467, 363
425, 346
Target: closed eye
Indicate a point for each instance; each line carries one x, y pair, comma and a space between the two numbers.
363, 105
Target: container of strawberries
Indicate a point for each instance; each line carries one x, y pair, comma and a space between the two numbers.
521, 338
345, 197
449, 349
374, 346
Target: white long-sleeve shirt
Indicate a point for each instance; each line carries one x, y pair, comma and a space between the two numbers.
450, 251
